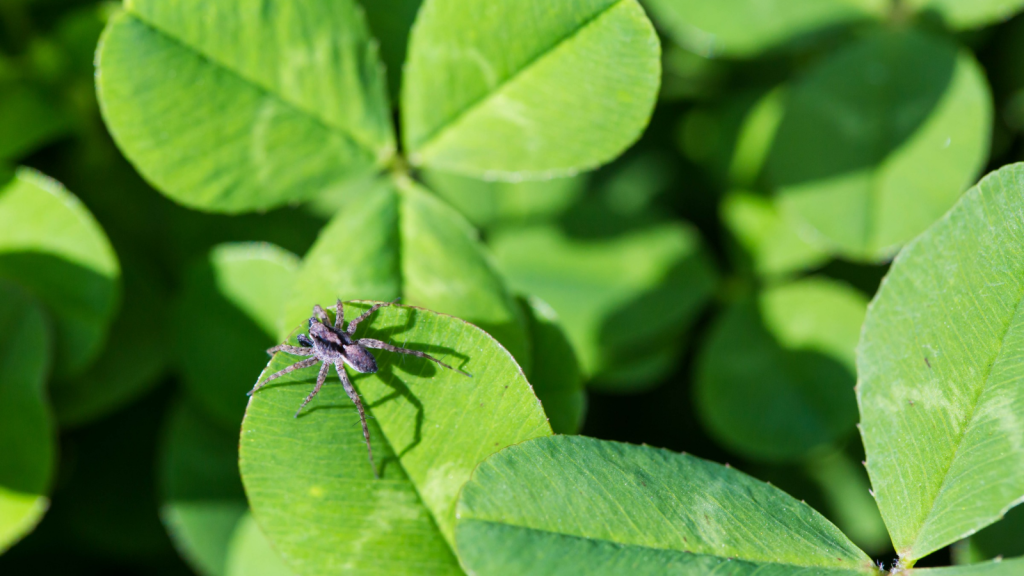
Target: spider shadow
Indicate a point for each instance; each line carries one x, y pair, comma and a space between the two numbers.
390, 377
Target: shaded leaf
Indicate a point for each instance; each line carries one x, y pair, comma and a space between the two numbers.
53, 247
27, 432
488, 204
511, 90
202, 500
391, 21
555, 374
773, 244
28, 120
846, 488
879, 139
308, 480
965, 14
942, 409
1004, 538
775, 380
744, 28
622, 300
228, 315
998, 568
570, 504
250, 553
249, 107
400, 241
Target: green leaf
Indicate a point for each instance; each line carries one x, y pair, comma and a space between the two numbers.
997, 568
228, 315
775, 380
391, 21
250, 553
965, 14
744, 28
489, 204
232, 106
996, 541
53, 247
28, 120
845, 487
202, 501
555, 374
878, 140
576, 505
26, 427
622, 300
400, 241
942, 409
773, 244
510, 89
308, 480
127, 368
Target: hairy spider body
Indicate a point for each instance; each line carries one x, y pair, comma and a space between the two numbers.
329, 345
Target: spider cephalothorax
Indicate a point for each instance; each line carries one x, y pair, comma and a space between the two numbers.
334, 345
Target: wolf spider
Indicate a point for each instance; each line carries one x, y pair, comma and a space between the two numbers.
335, 345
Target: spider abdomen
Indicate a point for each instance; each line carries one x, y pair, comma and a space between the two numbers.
359, 359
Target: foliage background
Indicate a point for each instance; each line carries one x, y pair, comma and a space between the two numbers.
718, 265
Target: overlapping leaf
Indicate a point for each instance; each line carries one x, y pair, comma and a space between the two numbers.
511, 89
879, 140
399, 241
252, 106
743, 28
53, 247
942, 409
308, 480
776, 378
570, 504
773, 244
965, 14
26, 427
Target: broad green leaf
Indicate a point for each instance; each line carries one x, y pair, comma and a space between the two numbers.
227, 317
942, 409
251, 105
308, 480
53, 247
744, 28
202, 501
576, 505
390, 21
773, 244
250, 553
513, 89
28, 120
555, 373
997, 568
128, 367
399, 241
879, 139
775, 380
27, 432
488, 204
622, 300
1004, 538
966, 14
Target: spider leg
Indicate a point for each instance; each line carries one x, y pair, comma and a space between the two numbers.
320, 313
352, 325
296, 350
297, 366
339, 320
351, 391
371, 343
320, 379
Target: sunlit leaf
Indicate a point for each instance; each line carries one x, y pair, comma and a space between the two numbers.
308, 480
555, 373
27, 432
511, 89
743, 28
53, 247
965, 14
775, 380
576, 505
250, 553
251, 105
940, 364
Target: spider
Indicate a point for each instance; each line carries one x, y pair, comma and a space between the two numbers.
335, 345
